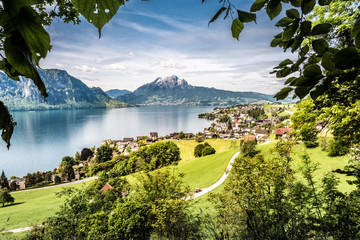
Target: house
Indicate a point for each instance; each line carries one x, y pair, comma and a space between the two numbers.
106, 187
281, 132
20, 182
189, 135
154, 136
261, 132
54, 175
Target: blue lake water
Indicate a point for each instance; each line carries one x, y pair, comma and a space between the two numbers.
42, 138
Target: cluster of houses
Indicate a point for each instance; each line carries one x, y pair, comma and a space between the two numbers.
242, 126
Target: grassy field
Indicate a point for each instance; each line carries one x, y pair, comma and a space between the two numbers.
31, 207
325, 163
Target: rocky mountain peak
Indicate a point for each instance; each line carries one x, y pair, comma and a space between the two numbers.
170, 82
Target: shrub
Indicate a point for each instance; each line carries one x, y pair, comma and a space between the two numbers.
208, 150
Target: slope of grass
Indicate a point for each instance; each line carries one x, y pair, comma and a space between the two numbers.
187, 147
31, 207
325, 163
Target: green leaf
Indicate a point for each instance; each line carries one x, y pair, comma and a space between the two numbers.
286, 62
217, 14
324, 2
29, 26
290, 80
327, 61
258, 5
289, 31
9, 70
296, 66
297, 43
293, 13
4, 17
346, 58
296, 3
7, 124
284, 22
273, 8
283, 93
320, 46
304, 50
321, 28
312, 70
305, 28
356, 28
19, 56
307, 6
246, 17
98, 12
301, 92
283, 72
275, 42
319, 90
236, 27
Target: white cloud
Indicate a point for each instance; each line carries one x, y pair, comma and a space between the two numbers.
85, 68
114, 66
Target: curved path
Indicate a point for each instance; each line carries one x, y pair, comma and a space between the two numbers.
224, 176
220, 181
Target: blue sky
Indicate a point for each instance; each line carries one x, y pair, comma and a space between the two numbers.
159, 38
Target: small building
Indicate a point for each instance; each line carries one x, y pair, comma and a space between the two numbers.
128, 139
280, 132
154, 136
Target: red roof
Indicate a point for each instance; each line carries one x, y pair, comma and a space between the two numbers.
282, 131
106, 187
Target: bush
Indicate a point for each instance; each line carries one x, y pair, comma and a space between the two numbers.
199, 150
208, 150
338, 148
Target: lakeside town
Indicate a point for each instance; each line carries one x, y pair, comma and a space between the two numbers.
258, 123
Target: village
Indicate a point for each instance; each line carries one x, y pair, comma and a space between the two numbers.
243, 122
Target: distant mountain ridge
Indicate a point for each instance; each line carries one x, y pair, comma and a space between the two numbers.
113, 93
174, 91
64, 90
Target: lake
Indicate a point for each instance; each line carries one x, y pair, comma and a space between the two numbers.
42, 138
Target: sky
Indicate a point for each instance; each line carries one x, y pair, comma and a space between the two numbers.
159, 38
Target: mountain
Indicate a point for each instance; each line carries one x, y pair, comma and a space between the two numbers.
113, 93
64, 92
174, 91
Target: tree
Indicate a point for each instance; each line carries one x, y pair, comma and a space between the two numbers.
304, 121
103, 153
3, 181
68, 173
181, 135
85, 154
77, 158
5, 197
67, 160
57, 180
13, 186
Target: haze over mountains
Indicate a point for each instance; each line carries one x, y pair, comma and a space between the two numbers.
174, 91
64, 92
